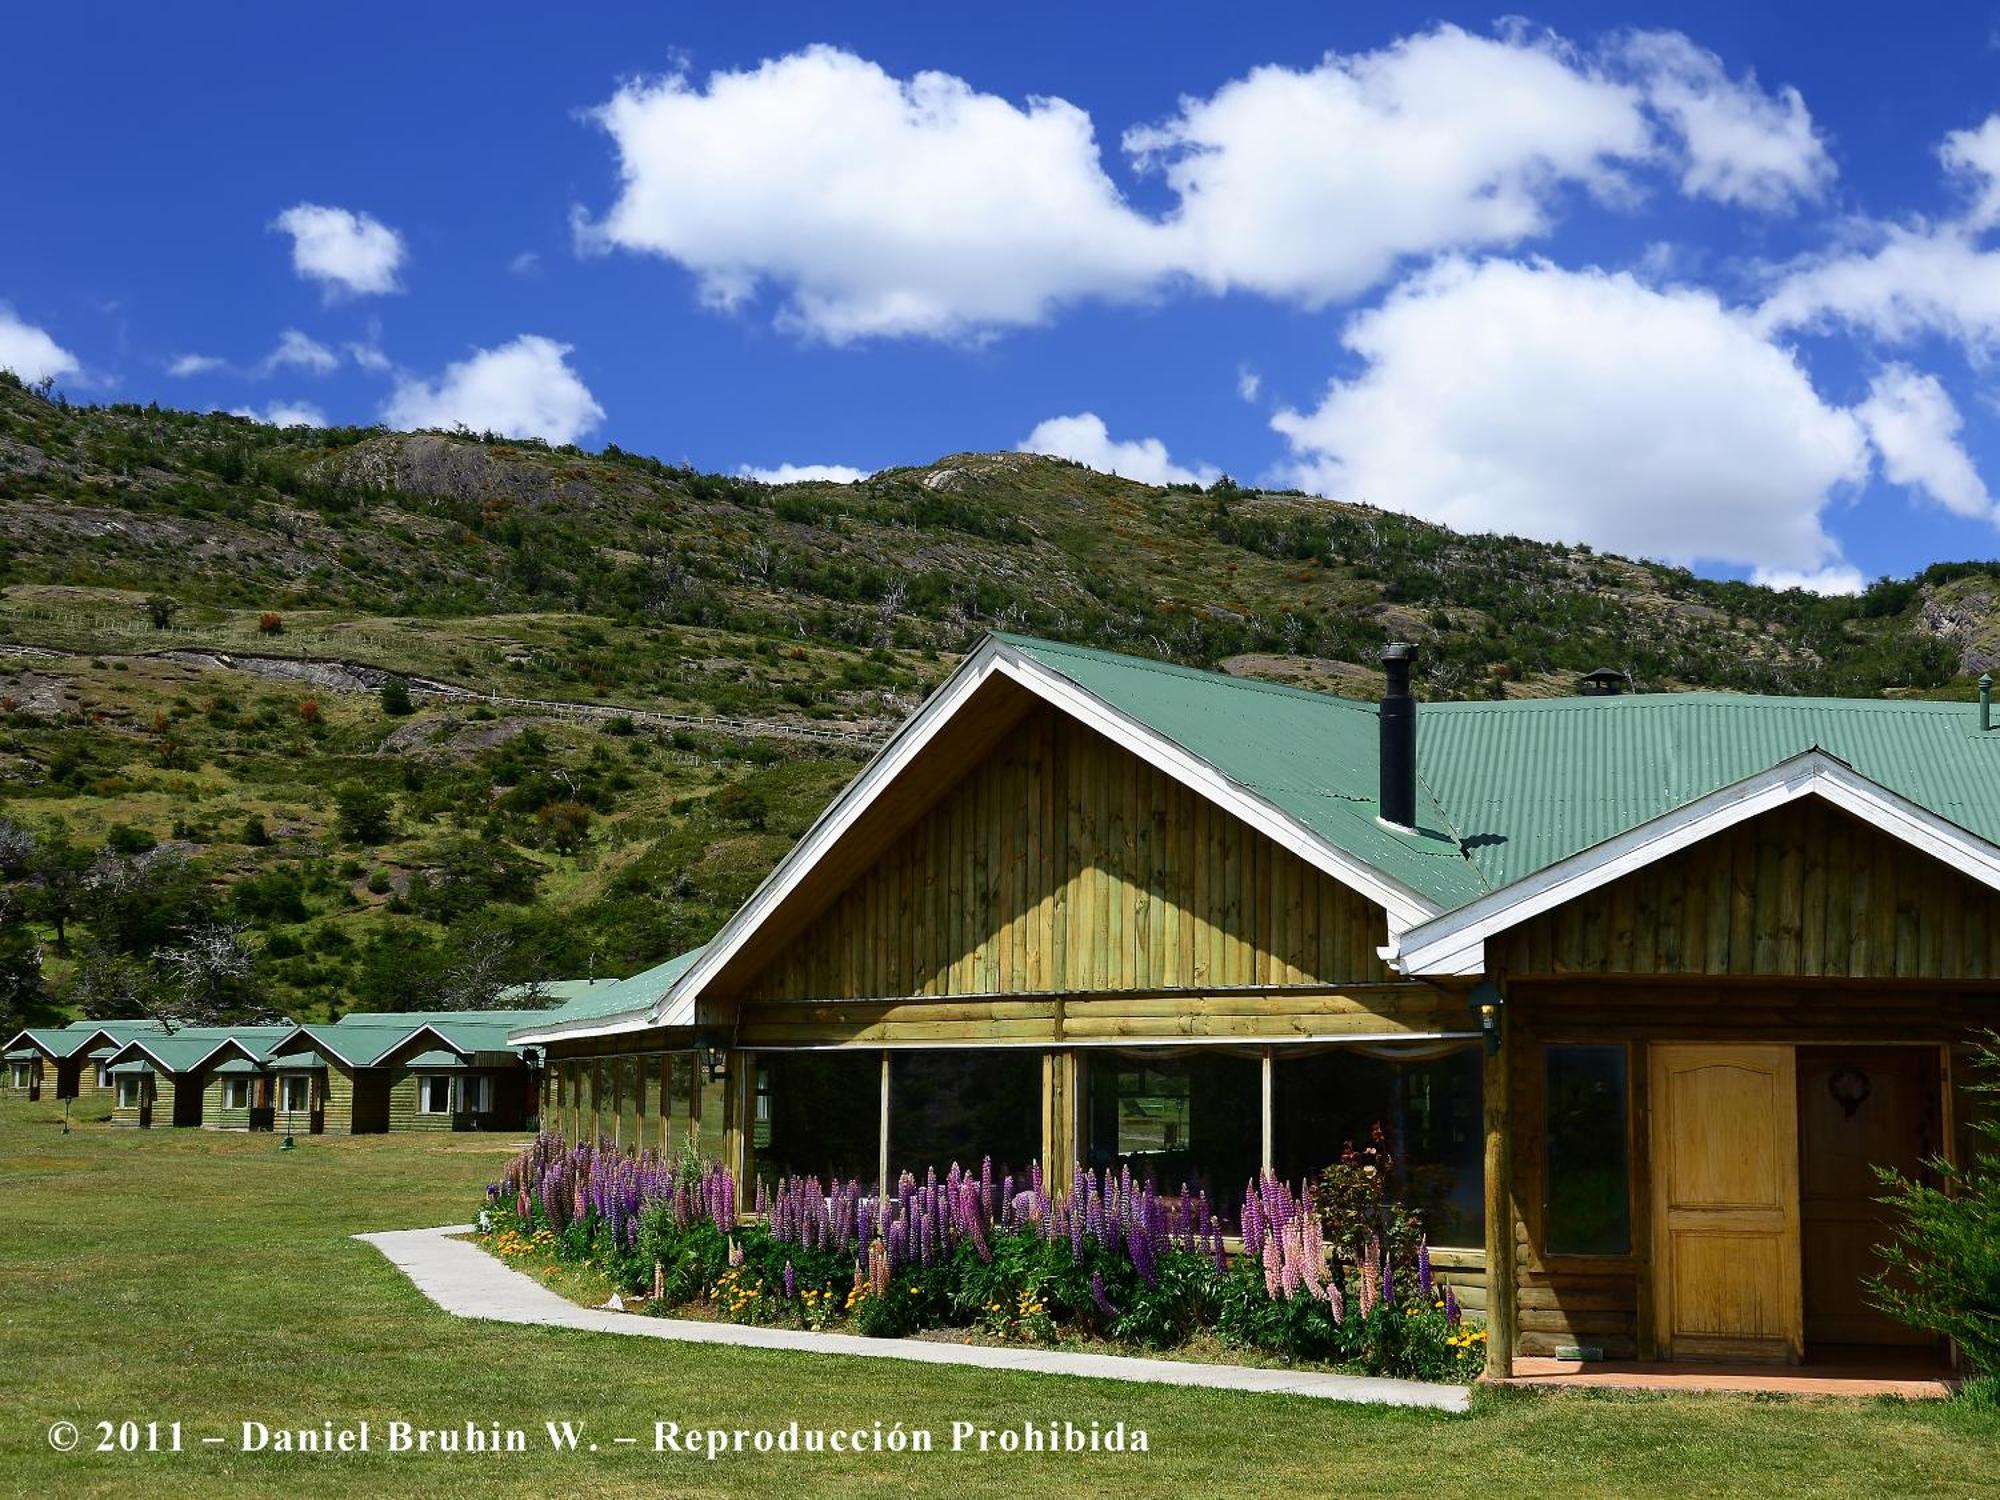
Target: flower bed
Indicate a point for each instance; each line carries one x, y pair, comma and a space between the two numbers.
1019, 1260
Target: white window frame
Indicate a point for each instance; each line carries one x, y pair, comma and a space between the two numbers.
476, 1094
19, 1072
237, 1084
424, 1103
133, 1084
104, 1075
285, 1087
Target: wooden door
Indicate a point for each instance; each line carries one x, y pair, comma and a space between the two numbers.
1725, 1166
1859, 1108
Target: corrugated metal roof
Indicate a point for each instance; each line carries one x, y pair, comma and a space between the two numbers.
1506, 789
22, 1054
1313, 757
238, 1065
1532, 782
295, 1061
436, 1058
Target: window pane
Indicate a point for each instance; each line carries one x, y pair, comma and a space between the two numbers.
1586, 1208
709, 1141
817, 1113
1196, 1120
963, 1106
1429, 1114
626, 1083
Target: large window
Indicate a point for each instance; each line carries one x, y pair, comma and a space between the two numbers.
479, 1094
814, 1113
433, 1093
1193, 1118
236, 1092
131, 1090
295, 1094
963, 1106
1586, 1202
1428, 1108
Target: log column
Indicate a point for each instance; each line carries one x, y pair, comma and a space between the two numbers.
1501, 1311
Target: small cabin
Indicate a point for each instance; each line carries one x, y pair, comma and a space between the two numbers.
1637, 989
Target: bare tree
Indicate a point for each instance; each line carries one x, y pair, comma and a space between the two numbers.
483, 975
210, 978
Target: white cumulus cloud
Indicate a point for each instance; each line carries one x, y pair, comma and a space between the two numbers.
1737, 143
1086, 439
1582, 406
352, 253
1914, 425
525, 388
30, 353
285, 414
1836, 578
879, 205
804, 474
298, 351
1312, 185
195, 364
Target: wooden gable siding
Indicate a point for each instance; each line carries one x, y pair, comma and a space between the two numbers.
1807, 891
213, 1115
1062, 863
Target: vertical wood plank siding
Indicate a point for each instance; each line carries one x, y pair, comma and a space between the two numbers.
1062, 862
1807, 891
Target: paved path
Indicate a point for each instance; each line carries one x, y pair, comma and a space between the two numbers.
464, 1280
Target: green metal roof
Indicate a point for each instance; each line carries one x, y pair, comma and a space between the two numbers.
1506, 789
66, 1041
1311, 756
135, 1065
191, 1046
635, 994
298, 1061
238, 1065
436, 1058
22, 1054
1532, 782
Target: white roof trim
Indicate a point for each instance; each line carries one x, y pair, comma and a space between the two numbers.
1455, 943
580, 1027
996, 658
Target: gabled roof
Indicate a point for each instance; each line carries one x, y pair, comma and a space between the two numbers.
369, 1039
603, 1005
1514, 799
191, 1047
60, 1042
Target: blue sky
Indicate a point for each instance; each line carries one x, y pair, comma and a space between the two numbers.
1708, 285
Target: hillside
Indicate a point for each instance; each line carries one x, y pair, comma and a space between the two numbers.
198, 615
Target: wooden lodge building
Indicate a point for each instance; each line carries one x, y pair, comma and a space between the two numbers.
1636, 988
68, 1062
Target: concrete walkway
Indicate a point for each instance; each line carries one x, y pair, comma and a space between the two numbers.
465, 1281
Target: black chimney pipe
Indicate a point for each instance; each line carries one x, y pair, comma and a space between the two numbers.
1399, 738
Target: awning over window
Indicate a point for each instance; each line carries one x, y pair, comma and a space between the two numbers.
431, 1062
137, 1065
299, 1060
238, 1065
23, 1054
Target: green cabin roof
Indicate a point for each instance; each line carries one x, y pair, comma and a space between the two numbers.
436, 1059
238, 1065
1507, 789
620, 996
298, 1061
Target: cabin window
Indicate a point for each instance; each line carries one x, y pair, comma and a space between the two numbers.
964, 1106
104, 1075
815, 1114
1193, 1119
1586, 1196
295, 1094
236, 1093
478, 1094
131, 1090
1427, 1108
433, 1093
19, 1072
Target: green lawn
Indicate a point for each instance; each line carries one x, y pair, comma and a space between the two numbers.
208, 1279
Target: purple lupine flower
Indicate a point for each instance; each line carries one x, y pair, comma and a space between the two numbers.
1424, 1277
1389, 1279
1100, 1296
1451, 1308
791, 1282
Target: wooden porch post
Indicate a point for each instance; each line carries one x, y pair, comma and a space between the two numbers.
1500, 1299
1059, 1103
882, 1184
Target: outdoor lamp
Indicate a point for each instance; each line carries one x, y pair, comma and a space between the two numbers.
713, 1057
1487, 1000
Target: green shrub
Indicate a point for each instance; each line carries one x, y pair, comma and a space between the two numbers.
1944, 1265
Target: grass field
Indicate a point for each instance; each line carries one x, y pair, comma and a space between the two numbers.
208, 1279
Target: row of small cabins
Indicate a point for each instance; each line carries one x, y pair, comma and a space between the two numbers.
366, 1073
1636, 991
